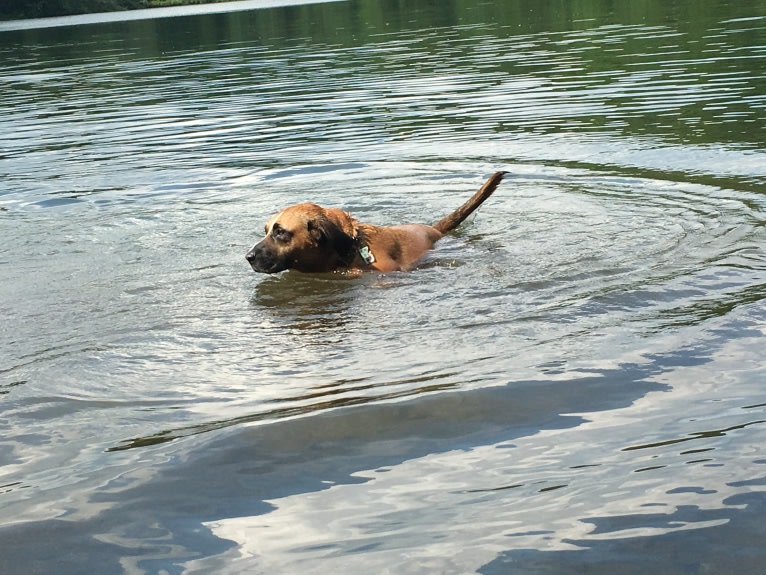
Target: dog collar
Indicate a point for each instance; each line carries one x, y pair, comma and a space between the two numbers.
366, 255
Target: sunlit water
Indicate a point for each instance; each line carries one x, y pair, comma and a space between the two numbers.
572, 382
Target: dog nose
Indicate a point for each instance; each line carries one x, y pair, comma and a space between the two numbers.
250, 256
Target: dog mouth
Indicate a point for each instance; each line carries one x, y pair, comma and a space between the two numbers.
272, 269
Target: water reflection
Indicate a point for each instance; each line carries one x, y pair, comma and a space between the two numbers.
524, 508
307, 301
498, 86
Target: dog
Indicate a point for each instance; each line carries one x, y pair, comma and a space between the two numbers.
312, 239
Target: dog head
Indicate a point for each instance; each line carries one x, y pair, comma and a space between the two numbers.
307, 238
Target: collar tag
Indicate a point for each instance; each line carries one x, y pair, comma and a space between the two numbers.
366, 255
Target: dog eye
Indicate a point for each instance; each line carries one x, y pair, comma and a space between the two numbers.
280, 234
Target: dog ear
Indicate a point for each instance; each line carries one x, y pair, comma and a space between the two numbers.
343, 220
336, 229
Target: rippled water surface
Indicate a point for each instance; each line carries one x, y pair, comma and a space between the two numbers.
572, 382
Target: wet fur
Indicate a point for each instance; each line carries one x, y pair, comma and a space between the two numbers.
309, 238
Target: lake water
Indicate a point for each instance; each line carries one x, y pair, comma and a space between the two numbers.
571, 383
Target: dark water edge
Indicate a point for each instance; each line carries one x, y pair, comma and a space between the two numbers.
104, 14
57, 8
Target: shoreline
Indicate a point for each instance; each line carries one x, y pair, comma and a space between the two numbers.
55, 10
178, 8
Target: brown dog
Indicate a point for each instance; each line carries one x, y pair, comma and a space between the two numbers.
309, 238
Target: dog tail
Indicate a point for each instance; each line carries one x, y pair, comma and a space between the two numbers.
453, 220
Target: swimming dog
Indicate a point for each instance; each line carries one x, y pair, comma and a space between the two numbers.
309, 238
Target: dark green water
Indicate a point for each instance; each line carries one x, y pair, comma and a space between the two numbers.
571, 383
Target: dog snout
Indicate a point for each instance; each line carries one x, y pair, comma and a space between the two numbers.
263, 259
